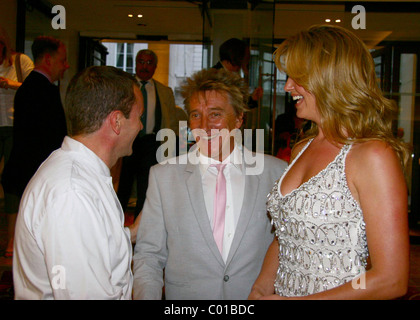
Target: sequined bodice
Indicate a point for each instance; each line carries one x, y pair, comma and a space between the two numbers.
321, 232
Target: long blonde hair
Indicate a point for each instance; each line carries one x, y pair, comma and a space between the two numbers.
337, 68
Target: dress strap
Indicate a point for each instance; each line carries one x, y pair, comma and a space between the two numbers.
344, 151
279, 181
301, 151
341, 157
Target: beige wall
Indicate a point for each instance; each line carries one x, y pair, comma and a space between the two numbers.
8, 12
162, 70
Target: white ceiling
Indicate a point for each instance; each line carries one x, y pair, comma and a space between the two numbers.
182, 20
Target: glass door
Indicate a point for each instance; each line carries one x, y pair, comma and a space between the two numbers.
398, 74
406, 91
206, 36
262, 73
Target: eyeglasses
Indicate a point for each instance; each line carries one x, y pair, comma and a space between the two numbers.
148, 62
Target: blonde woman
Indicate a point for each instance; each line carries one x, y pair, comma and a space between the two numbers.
340, 209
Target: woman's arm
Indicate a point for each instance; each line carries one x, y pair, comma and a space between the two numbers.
9, 84
376, 181
26, 66
264, 285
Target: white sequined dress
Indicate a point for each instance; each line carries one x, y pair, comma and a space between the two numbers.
321, 232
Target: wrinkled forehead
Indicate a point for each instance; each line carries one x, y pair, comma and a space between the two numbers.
145, 57
211, 100
210, 96
212, 93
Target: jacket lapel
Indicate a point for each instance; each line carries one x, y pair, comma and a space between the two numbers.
252, 183
195, 191
158, 109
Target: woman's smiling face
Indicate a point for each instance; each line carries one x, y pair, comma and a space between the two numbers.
306, 107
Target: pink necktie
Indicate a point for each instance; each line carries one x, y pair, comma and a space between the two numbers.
219, 207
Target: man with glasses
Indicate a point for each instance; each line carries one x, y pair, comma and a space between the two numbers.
159, 113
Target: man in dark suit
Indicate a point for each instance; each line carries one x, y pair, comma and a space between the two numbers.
234, 56
39, 125
160, 112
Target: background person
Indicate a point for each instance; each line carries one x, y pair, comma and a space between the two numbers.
288, 127
39, 125
14, 68
160, 112
234, 56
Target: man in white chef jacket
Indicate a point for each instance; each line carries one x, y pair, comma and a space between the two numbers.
70, 240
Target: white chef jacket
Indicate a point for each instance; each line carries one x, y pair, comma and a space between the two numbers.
70, 240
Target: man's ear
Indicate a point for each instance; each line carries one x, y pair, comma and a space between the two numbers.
239, 120
47, 59
114, 119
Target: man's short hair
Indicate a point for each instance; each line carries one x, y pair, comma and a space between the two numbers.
219, 80
233, 50
93, 94
43, 45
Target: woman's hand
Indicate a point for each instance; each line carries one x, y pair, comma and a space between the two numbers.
6, 83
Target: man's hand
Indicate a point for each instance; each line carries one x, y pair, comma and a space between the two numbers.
134, 227
257, 94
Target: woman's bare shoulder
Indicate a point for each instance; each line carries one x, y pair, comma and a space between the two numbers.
372, 151
370, 158
298, 148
